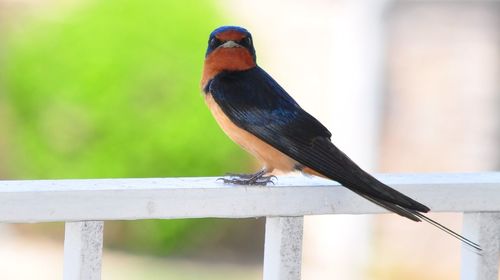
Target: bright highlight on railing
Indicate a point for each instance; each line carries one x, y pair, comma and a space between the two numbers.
84, 204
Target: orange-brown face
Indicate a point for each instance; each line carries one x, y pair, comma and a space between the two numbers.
230, 48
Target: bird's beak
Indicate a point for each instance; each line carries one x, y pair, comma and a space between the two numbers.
230, 44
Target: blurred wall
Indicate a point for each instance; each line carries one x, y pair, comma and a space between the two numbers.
442, 114
443, 85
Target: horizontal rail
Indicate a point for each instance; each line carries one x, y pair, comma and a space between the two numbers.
130, 199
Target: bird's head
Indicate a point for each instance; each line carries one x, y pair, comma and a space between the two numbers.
230, 48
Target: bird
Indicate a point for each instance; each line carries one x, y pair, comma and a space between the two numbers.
261, 117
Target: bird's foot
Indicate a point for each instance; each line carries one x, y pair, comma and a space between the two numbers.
262, 181
241, 176
256, 179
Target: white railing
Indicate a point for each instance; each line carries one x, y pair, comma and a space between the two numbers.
84, 204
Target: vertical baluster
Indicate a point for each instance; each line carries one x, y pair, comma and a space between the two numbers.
283, 248
83, 250
484, 228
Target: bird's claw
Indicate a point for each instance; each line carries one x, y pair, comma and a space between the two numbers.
248, 180
242, 176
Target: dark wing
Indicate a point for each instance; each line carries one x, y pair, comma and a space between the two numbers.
259, 105
256, 103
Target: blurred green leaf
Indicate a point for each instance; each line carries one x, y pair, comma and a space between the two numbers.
113, 91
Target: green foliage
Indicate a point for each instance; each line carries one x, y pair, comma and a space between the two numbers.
112, 90
171, 236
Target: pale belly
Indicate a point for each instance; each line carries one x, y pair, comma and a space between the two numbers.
270, 157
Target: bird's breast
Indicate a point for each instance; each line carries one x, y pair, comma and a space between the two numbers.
268, 155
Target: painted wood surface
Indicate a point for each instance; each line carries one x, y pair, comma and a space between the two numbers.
157, 198
83, 250
283, 248
83, 204
483, 227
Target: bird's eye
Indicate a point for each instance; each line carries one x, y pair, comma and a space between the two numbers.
214, 42
247, 41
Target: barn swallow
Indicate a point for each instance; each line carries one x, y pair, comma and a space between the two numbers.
260, 116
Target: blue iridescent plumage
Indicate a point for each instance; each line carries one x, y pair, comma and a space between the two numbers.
228, 28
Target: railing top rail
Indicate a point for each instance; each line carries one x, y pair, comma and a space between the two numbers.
154, 198
396, 179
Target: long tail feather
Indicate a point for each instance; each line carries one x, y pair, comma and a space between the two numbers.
466, 241
416, 216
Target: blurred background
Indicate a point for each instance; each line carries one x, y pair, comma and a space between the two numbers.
108, 89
